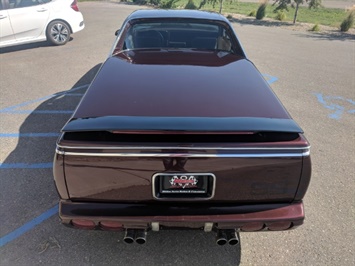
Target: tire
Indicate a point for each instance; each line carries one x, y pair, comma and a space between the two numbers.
58, 32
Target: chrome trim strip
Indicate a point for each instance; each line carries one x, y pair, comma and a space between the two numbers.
185, 155
183, 199
177, 148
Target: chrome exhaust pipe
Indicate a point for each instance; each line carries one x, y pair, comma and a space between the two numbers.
232, 237
141, 236
129, 236
221, 238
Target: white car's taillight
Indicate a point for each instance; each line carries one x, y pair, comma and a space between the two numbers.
74, 5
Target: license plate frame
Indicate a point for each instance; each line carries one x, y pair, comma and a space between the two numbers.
183, 186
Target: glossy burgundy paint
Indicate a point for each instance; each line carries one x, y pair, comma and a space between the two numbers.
126, 88
239, 180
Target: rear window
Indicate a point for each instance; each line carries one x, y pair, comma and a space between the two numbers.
180, 34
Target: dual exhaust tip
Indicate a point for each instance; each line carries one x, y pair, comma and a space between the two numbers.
135, 235
223, 237
227, 236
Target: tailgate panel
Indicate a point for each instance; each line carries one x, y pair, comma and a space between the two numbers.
110, 178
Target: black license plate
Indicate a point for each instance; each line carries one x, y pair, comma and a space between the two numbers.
183, 185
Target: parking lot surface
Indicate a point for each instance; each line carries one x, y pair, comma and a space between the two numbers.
312, 74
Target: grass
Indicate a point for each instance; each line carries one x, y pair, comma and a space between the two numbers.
323, 16
315, 28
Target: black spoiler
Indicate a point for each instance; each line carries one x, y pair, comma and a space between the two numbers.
192, 124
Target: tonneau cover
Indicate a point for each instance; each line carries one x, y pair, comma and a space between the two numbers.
180, 90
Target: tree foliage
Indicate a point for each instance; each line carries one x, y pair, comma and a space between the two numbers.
283, 5
314, 4
260, 13
213, 3
190, 5
168, 4
348, 22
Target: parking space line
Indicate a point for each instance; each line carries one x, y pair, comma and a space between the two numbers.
26, 103
12, 109
26, 165
37, 111
28, 226
31, 135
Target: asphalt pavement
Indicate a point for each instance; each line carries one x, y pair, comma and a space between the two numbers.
312, 74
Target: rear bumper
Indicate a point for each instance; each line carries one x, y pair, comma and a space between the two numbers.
118, 216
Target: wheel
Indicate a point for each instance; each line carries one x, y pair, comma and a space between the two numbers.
58, 32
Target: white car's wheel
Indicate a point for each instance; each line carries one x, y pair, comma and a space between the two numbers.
58, 32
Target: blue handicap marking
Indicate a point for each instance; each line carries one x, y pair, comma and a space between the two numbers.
339, 105
270, 79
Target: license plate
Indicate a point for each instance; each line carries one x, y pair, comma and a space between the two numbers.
183, 185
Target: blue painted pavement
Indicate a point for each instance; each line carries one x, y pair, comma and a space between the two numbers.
28, 226
341, 107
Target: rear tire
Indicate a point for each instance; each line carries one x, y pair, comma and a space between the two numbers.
58, 32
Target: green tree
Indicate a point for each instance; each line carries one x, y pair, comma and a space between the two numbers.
190, 5
298, 2
348, 22
283, 5
260, 13
213, 2
168, 4
314, 4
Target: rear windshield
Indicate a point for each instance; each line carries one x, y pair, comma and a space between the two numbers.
179, 35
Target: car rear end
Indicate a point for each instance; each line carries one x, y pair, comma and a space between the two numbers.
67, 11
242, 181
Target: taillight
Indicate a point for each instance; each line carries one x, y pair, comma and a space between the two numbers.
83, 224
278, 226
74, 5
250, 227
111, 225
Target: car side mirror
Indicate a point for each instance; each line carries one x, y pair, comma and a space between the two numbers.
117, 32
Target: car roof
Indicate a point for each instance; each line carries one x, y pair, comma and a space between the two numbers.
164, 13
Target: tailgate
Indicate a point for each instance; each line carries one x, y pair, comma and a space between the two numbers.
243, 167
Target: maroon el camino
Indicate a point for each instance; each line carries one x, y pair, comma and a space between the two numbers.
180, 130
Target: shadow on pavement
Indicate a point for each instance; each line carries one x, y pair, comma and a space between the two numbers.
27, 46
31, 192
329, 35
256, 22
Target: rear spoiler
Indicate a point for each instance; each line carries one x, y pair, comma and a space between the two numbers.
191, 124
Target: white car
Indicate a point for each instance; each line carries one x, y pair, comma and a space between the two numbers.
27, 21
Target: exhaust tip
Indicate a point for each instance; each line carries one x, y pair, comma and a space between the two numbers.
221, 238
129, 236
233, 242
128, 240
141, 236
140, 241
232, 237
221, 241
